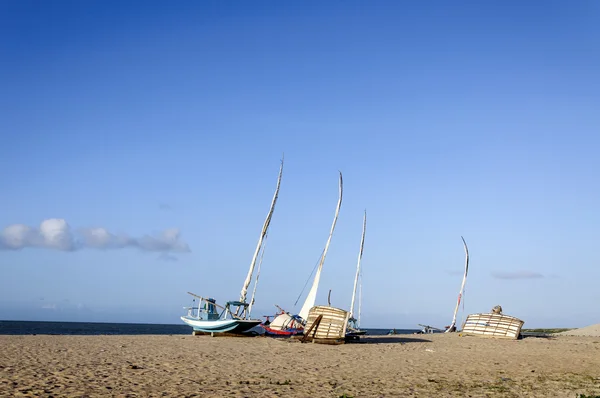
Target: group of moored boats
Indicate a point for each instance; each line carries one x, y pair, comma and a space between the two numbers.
205, 316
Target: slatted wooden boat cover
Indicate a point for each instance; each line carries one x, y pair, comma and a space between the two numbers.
333, 324
493, 325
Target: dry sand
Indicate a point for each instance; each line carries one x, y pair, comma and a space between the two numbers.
592, 331
396, 366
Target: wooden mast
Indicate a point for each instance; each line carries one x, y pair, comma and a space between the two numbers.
452, 327
312, 294
262, 236
360, 253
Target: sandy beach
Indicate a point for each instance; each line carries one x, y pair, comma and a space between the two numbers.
201, 366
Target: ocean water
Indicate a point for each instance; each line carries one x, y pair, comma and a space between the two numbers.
92, 328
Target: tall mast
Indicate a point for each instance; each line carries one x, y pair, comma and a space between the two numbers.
262, 236
452, 327
359, 302
312, 294
360, 253
262, 255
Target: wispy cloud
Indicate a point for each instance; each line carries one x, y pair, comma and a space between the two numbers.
517, 275
55, 233
167, 257
164, 206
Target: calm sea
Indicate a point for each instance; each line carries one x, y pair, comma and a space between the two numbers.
90, 328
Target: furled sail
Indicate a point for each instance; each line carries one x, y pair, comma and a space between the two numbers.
262, 236
452, 327
312, 294
360, 253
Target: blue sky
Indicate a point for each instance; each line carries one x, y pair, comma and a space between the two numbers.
155, 132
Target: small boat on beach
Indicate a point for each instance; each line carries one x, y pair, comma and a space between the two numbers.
326, 325
206, 316
208, 319
286, 324
494, 324
283, 324
427, 329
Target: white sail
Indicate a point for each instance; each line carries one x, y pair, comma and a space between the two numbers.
360, 253
452, 327
312, 294
260, 240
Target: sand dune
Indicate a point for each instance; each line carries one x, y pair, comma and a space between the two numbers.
592, 331
187, 366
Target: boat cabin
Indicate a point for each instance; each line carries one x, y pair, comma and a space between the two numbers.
206, 310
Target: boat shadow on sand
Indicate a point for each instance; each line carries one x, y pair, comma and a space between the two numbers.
389, 340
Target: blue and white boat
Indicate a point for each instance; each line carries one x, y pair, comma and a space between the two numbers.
206, 316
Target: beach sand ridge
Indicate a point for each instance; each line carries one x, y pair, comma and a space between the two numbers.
439, 365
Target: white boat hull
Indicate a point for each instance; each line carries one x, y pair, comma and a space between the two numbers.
221, 325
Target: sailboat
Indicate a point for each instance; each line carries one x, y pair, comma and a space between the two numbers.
286, 324
452, 327
235, 316
354, 323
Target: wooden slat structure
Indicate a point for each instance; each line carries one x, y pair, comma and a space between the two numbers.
493, 325
326, 325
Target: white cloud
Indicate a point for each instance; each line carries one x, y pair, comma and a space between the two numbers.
16, 236
56, 234
97, 237
169, 240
